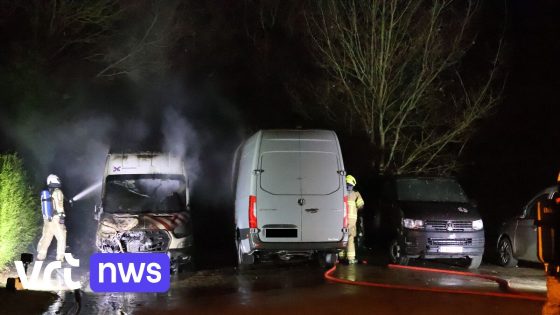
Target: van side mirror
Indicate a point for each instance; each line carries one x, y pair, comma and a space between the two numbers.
97, 212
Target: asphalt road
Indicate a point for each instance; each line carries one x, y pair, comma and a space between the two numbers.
300, 288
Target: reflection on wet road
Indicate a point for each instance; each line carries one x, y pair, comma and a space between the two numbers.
301, 288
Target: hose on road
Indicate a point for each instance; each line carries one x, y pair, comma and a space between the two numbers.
502, 283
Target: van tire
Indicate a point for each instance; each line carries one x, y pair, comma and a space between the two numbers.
243, 259
475, 262
327, 259
395, 253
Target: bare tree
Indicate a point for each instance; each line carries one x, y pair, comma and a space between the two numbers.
59, 25
140, 49
394, 70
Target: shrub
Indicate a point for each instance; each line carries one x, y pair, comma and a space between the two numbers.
19, 209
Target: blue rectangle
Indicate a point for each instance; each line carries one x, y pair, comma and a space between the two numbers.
130, 272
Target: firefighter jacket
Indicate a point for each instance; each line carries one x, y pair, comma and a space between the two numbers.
58, 201
355, 203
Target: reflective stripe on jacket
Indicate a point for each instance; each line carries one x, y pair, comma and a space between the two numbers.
355, 203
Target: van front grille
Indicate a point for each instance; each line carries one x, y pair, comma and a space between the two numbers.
442, 225
447, 242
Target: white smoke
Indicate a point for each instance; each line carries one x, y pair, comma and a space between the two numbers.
73, 149
180, 138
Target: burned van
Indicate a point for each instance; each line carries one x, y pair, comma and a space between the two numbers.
144, 206
290, 196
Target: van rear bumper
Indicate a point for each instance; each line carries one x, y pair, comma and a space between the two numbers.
257, 245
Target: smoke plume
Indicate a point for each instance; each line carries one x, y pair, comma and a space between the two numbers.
180, 138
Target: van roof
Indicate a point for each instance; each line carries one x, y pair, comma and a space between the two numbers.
144, 163
303, 134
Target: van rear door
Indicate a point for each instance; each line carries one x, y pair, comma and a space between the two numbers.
278, 193
323, 197
300, 195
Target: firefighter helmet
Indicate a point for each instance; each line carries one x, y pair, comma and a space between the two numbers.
53, 181
350, 180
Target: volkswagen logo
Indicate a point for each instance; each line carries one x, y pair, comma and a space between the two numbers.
463, 210
449, 226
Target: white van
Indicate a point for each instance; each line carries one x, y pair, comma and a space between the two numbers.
144, 206
290, 196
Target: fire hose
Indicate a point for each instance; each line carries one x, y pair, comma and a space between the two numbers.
502, 283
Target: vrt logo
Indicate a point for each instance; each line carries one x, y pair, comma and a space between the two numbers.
34, 281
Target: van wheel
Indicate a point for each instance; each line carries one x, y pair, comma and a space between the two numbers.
505, 253
396, 253
475, 262
243, 259
327, 259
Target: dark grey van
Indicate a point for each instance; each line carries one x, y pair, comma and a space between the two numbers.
290, 196
426, 217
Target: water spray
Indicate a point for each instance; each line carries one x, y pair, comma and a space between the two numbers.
86, 192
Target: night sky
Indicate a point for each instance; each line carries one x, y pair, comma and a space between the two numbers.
224, 78
515, 154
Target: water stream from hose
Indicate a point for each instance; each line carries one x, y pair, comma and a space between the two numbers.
87, 191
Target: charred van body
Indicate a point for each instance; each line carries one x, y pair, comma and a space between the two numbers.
144, 207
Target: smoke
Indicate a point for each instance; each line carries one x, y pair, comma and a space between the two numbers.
68, 127
73, 148
180, 138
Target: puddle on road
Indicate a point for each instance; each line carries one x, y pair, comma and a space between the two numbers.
194, 290
187, 288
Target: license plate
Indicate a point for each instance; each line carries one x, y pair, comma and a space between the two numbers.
450, 249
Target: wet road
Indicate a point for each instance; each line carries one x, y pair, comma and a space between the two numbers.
301, 288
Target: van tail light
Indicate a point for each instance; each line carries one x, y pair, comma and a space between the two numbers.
252, 212
345, 221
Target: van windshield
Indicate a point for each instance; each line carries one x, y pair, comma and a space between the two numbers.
144, 193
433, 189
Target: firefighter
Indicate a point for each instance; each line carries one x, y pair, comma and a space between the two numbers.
552, 305
52, 206
355, 203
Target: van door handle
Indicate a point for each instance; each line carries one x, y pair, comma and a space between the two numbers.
312, 210
301, 201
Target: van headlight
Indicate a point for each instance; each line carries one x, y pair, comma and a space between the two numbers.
413, 224
477, 225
